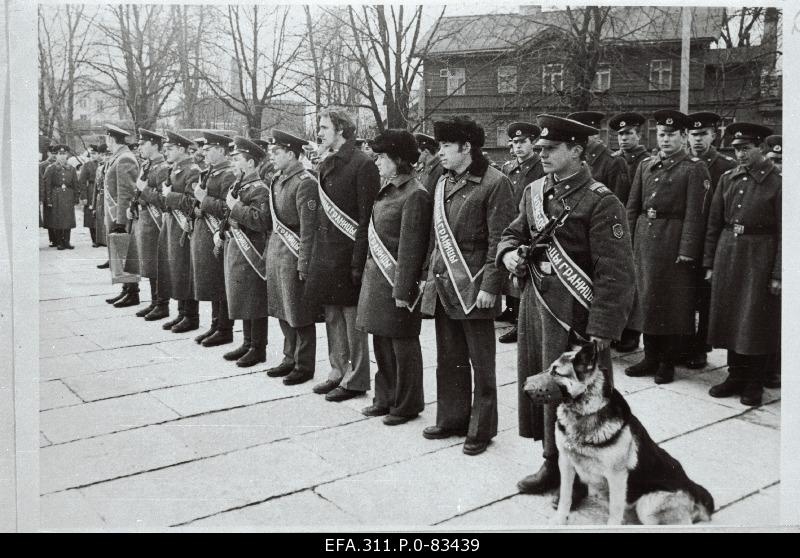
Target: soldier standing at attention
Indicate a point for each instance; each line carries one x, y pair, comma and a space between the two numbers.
388, 306
743, 261
45, 160
472, 205
61, 191
610, 171
266, 168
208, 267
591, 242
294, 203
429, 165
702, 133
349, 182
150, 220
86, 181
249, 223
99, 199
667, 222
119, 184
524, 169
174, 248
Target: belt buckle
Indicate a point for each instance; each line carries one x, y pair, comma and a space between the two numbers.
651, 213
738, 229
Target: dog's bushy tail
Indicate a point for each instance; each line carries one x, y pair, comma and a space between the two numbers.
703, 503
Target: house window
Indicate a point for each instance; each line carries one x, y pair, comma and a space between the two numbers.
99, 106
82, 103
455, 81
602, 79
507, 79
660, 75
552, 78
502, 134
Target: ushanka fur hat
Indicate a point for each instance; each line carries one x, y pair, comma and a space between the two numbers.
460, 129
397, 143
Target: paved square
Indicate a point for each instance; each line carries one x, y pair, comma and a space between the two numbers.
144, 429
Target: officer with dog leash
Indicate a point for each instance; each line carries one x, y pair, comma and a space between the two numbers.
580, 279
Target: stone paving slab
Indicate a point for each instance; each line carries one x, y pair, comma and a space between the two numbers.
400, 496
54, 368
517, 513
760, 509
297, 512
103, 417
70, 512
55, 394
202, 488
53, 330
697, 383
66, 346
732, 458
123, 357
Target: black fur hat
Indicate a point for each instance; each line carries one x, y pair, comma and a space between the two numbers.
397, 143
459, 129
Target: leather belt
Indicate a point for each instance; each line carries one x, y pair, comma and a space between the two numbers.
652, 213
739, 229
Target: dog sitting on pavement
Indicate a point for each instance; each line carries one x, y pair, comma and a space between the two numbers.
600, 440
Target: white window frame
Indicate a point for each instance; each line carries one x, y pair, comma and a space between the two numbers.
456, 78
603, 74
507, 79
659, 69
551, 72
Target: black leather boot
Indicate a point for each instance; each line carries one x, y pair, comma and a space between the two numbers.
160, 312
120, 296
236, 354
219, 337
665, 373
186, 324
208, 333
146, 310
130, 299
648, 365
545, 479
258, 344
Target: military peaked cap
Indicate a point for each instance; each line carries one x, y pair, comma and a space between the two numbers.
177, 139
700, 120
245, 145
588, 117
287, 140
775, 145
59, 148
556, 129
211, 139
675, 119
359, 142
745, 132
148, 135
116, 131
397, 143
625, 121
523, 130
425, 141
459, 129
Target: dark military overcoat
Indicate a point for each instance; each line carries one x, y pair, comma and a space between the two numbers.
146, 228
716, 164
246, 290
522, 174
402, 219
208, 267
296, 203
666, 218
632, 158
478, 208
745, 315
86, 180
61, 193
174, 249
610, 171
120, 176
350, 179
595, 236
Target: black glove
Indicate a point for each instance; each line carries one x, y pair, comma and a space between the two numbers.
117, 228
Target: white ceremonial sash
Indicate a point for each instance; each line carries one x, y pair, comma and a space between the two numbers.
384, 260
339, 218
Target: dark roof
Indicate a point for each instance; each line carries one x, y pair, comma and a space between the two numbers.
502, 32
738, 55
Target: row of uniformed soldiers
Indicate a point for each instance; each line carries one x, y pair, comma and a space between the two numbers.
376, 248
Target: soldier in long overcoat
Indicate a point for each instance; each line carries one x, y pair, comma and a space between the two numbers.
610, 171
119, 185
45, 159
474, 207
525, 168
174, 248
294, 206
208, 265
149, 222
86, 179
593, 241
702, 133
349, 182
743, 259
388, 306
248, 223
61, 194
667, 222
627, 126
99, 197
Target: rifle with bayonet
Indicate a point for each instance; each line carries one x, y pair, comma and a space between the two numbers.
531, 254
204, 175
135, 203
225, 224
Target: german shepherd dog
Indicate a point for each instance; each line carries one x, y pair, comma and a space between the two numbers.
599, 439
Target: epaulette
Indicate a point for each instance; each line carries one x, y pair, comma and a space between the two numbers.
599, 188
308, 176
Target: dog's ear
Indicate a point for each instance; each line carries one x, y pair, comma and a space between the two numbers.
585, 360
575, 341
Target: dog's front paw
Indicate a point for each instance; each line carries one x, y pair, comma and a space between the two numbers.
559, 519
